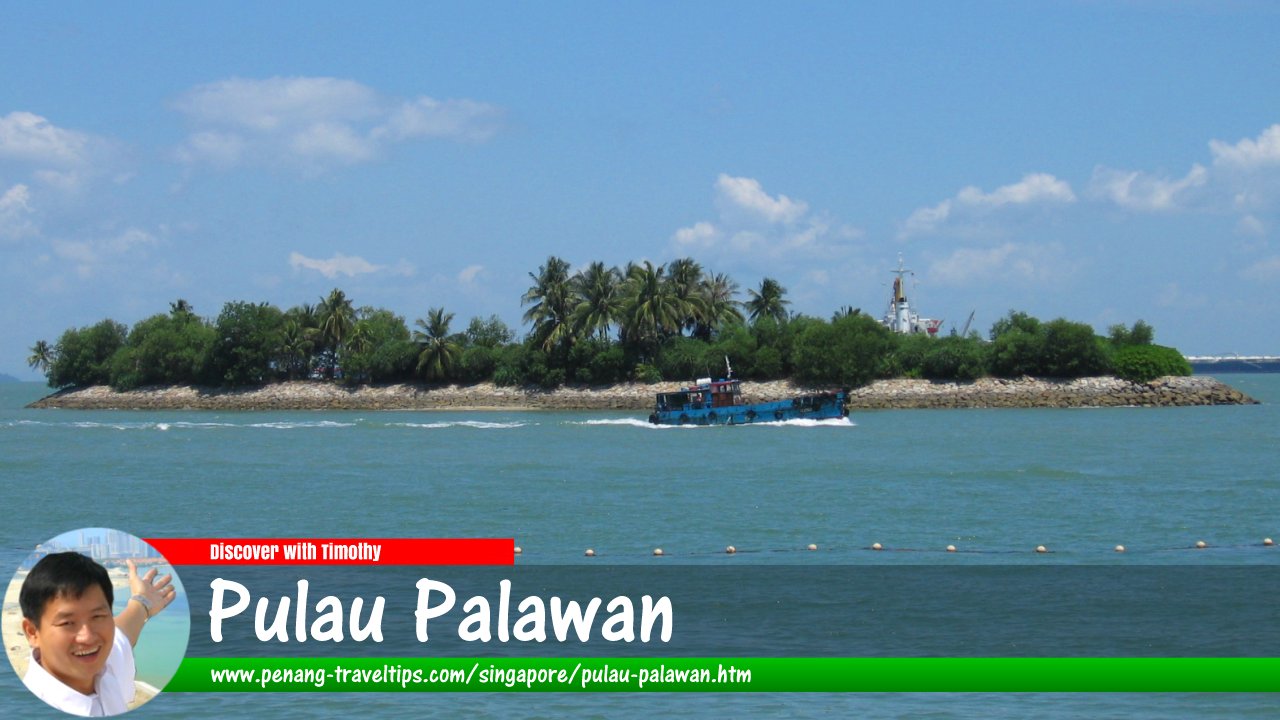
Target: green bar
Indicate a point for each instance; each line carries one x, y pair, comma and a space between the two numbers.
727, 675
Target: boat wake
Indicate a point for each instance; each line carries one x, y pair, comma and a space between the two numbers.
476, 424
634, 422
802, 422
629, 422
167, 426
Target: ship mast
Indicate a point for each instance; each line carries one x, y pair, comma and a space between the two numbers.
901, 309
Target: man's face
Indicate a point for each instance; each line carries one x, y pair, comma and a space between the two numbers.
74, 637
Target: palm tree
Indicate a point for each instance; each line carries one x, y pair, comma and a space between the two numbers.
599, 300
439, 354
845, 311
552, 304
652, 311
42, 357
295, 347
336, 318
768, 301
685, 277
719, 306
180, 308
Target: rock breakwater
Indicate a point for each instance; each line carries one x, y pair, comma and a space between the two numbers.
883, 394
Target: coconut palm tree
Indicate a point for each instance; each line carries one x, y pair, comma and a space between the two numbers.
685, 278
720, 308
336, 318
295, 348
180, 307
438, 355
598, 291
42, 357
551, 300
768, 301
652, 311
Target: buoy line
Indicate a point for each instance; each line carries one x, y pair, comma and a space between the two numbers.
950, 549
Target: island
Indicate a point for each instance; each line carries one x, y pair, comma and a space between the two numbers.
608, 338
880, 394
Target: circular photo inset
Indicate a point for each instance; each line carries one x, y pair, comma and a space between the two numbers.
95, 622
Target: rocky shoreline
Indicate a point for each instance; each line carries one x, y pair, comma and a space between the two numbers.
882, 394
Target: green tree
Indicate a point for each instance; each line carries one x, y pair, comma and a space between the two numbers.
551, 304
164, 350
686, 280
1071, 350
489, 333
438, 354
294, 354
652, 311
953, 358
379, 348
42, 357
768, 302
850, 351
1144, 363
598, 294
336, 318
1140, 334
1017, 346
720, 306
1016, 320
83, 357
246, 343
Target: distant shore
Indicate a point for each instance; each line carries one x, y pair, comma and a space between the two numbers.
882, 394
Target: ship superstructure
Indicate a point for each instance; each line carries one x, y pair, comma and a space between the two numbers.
900, 318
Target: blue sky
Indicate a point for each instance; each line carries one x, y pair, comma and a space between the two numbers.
1102, 161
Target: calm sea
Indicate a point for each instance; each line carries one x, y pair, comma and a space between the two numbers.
994, 483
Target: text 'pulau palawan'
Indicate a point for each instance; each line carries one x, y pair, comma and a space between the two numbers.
436, 600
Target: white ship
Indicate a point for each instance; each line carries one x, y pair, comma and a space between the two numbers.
900, 318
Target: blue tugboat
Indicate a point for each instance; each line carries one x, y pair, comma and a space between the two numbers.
719, 402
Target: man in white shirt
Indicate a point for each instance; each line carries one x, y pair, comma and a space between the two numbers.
80, 664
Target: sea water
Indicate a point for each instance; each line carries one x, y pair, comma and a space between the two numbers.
994, 483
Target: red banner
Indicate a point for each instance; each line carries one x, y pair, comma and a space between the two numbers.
336, 551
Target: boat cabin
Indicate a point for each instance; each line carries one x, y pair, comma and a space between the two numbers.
703, 395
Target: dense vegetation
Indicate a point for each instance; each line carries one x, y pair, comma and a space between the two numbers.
600, 325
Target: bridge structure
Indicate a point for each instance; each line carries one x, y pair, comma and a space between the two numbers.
1234, 363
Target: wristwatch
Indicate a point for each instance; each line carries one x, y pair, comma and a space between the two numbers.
144, 602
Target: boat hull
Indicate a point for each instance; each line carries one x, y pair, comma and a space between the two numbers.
820, 406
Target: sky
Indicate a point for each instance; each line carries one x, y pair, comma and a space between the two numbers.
1100, 161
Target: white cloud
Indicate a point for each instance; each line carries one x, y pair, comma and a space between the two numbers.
1265, 150
339, 264
1141, 191
1265, 270
57, 157
927, 219
427, 117
469, 274
1003, 264
736, 195
219, 149
333, 141
31, 138
15, 213
1250, 225
87, 257
278, 103
701, 234
754, 227
316, 122
1033, 188
970, 202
